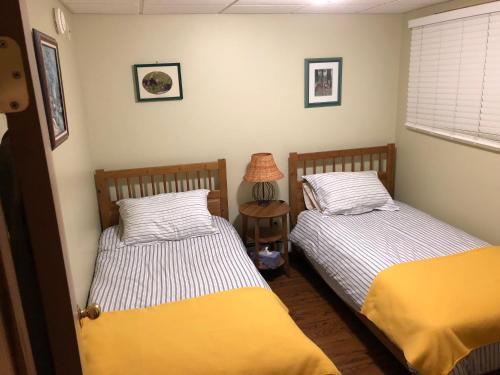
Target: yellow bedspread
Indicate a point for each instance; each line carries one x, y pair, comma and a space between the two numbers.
243, 331
438, 310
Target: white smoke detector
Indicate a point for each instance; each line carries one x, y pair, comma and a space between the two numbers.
60, 20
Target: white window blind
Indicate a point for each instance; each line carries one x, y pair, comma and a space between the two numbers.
454, 77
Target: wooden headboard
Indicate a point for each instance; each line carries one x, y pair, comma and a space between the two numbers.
380, 158
141, 182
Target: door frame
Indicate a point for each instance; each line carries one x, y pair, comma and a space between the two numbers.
31, 153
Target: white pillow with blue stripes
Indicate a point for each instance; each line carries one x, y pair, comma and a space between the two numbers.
310, 199
165, 217
350, 193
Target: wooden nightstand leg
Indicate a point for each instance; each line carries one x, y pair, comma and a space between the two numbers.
257, 242
284, 225
272, 244
244, 225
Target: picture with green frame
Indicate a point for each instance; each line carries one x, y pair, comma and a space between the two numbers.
323, 82
156, 82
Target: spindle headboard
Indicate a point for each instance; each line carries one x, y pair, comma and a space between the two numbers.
381, 158
141, 182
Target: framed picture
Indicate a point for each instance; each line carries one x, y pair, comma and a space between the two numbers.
154, 82
49, 70
323, 82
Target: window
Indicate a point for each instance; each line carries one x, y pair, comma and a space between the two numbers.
454, 75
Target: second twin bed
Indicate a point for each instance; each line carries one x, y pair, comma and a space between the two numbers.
352, 252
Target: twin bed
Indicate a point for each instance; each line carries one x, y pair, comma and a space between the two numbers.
191, 306
154, 273
348, 251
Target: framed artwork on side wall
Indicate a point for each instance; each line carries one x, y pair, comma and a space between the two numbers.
323, 82
49, 70
155, 82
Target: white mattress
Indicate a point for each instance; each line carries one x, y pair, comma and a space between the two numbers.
151, 274
353, 249
349, 251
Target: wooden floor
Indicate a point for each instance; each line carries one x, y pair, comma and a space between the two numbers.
327, 321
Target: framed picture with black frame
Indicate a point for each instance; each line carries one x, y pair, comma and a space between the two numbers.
49, 70
323, 82
156, 82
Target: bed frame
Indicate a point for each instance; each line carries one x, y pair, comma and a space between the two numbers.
141, 182
381, 159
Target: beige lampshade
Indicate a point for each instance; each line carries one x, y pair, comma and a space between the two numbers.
262, 168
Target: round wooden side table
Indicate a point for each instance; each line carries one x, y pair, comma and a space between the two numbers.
266, 234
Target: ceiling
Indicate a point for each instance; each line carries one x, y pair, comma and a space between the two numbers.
244, 6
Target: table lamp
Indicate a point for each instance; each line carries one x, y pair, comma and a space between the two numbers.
263, 171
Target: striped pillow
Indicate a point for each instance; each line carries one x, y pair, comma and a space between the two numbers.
310, 199
162, 217
350, 193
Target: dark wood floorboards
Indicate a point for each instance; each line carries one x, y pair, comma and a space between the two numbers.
327, 321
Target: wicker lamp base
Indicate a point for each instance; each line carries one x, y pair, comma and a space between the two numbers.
263, 193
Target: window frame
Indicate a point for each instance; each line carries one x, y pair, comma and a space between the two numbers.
475, 140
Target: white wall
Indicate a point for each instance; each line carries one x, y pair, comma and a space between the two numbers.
3, 124
243, 78
72, 162
454, 182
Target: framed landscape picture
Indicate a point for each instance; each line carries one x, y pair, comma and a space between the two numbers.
154, 82
49, 70
323, 82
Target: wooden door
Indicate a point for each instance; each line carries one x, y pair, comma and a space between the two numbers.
7, 364
15, 349
32, 162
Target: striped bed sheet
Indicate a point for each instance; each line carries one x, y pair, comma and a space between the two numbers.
146, 275
349, 251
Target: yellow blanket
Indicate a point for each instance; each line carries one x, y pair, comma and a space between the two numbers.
438, 310
243, 331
